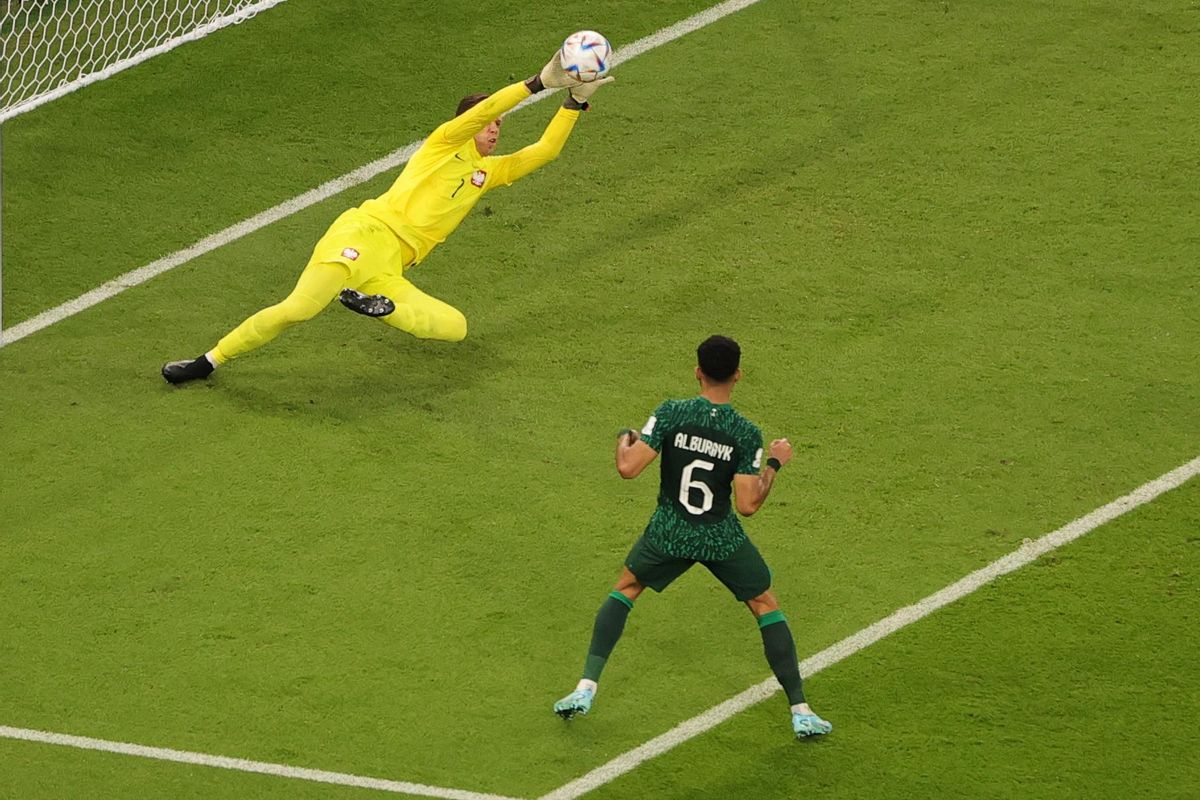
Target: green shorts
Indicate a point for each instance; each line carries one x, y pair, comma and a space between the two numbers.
744, 573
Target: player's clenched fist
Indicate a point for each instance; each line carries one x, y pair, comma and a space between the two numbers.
781, 449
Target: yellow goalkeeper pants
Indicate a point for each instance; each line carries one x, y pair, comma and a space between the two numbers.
361, 253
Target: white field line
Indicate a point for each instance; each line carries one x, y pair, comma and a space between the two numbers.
323, 192
191, 36
242, 765
847, 647
697, 725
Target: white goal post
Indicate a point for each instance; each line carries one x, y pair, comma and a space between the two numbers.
50, 48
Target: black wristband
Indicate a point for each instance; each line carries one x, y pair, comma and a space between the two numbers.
574, 105
534, 84
774, 463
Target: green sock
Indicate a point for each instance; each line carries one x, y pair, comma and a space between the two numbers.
780, 650
610, 622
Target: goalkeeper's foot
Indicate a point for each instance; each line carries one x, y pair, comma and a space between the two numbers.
184, 371
577, 702
806, 725
370, 305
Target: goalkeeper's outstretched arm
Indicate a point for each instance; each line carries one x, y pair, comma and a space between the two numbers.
462, 128
546, 149
507, 169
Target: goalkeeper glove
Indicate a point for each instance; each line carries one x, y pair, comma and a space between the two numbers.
583, 92
553, 75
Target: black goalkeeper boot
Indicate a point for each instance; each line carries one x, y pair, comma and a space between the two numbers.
184, 371
370, 305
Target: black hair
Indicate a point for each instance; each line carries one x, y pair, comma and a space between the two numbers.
470, 101
718, 357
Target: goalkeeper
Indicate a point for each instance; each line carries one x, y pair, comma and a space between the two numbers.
364, 255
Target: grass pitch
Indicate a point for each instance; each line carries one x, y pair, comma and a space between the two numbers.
955, 241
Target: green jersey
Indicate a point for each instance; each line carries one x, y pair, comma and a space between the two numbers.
702, 446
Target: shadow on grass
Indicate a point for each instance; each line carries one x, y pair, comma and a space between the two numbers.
359, 379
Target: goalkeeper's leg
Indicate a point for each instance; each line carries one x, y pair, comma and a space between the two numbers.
319, 284
417, 313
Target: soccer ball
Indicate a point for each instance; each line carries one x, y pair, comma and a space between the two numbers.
586, 55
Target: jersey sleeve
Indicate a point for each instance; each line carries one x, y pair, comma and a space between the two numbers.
750, 450
656, 427
454, 134
506, 169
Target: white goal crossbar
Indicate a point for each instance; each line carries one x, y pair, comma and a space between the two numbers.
50, 48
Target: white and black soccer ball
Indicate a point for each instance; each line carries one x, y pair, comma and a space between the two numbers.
586, 55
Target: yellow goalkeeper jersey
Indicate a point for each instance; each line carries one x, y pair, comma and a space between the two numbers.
446, 177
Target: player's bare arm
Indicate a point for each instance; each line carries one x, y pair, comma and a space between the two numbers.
633, 455
750, 491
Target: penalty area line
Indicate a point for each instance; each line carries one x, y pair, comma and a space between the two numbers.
1028, 552
244, 765
393, 160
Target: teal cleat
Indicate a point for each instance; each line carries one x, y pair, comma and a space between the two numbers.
577, 702
805, 725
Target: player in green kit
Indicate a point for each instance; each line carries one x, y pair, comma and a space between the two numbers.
710, 453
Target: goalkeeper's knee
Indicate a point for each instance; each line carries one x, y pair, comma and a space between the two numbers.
298, 308
445, 327
454, 328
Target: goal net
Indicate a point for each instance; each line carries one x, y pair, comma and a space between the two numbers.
49, 48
